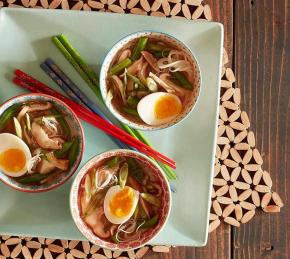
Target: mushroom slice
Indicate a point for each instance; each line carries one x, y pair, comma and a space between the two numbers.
169, 86
61, 164
39, 107
143, 73
151, 60
42, 139
97, 221
125, 54
118, 85
136, 66
45, 167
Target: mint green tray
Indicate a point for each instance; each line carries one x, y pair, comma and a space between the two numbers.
25, 42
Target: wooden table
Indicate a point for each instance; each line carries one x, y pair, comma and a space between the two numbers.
257, 39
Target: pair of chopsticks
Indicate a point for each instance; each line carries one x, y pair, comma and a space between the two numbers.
77, 95
69, 87
91, 78
26, 81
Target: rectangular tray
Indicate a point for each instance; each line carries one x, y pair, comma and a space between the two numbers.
25, 42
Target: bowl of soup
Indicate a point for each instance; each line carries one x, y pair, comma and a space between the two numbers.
120, 200
150, 80
41, 142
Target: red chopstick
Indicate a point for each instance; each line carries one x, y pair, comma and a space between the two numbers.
25, 81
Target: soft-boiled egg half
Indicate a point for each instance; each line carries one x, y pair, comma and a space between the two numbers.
120, 203
159, 108
14, 155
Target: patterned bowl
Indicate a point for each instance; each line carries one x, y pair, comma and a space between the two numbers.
149, 234
76, 130
190, 100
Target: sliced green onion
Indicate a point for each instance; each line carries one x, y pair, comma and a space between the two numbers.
150, 199
119, 67
65, 148
182, 80
27, 120
109, 96
139, 47
18, 128
114, 239
123, 175
151, 84
151, 222
136, 212
136, 80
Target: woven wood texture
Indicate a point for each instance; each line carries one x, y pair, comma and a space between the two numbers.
240, 184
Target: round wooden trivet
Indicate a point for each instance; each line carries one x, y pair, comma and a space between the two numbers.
240, 184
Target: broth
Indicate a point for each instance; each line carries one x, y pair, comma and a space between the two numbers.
46, 132
158, 66
120, 200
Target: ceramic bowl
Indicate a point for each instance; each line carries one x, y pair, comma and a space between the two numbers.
76, 131
190, 100
75, 200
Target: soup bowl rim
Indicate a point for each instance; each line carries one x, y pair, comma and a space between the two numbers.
80, 134
74, 197
117, 46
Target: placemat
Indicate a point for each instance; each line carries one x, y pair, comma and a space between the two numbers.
240, 184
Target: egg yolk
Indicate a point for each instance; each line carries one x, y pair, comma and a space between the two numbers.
167, 106
12, 160
122, 202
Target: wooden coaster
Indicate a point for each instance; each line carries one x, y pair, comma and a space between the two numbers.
240, 184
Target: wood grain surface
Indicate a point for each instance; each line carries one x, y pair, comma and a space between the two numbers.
258, 42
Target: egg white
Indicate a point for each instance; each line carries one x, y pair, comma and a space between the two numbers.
146, 108
109, 196
9, 141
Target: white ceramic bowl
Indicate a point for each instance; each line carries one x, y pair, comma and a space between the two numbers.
164, 209
76, 131
135, 123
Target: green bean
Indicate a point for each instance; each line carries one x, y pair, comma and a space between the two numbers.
119, 67
34, 178
182, 80
139, 47
133, 101
123, 175
73, 152
8, 114
161, 54
113, 162
65, 148
130, 111
151, 222
155, 47
136, 80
